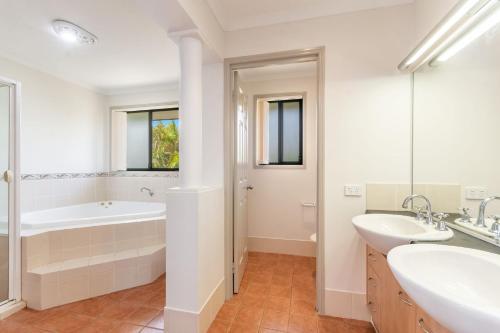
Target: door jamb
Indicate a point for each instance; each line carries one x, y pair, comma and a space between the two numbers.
230, 64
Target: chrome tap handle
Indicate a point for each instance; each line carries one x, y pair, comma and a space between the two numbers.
495, 227
420, 213
440, 221
465, 217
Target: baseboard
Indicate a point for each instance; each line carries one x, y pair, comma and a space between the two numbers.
178, 320
296, 247
345, 304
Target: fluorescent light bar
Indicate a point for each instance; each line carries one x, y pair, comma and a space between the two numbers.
476, 32
441, 31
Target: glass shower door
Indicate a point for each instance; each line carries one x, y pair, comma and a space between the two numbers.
5, 184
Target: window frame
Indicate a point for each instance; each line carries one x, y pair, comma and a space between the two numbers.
150, 140
281, 99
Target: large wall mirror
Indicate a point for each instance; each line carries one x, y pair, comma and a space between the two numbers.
456, 129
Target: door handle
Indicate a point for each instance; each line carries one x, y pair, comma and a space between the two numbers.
8, 176
249, 187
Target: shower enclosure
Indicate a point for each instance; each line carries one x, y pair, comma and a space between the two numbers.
9, 185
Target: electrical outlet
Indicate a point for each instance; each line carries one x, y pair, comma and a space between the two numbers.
352, 190
476, 193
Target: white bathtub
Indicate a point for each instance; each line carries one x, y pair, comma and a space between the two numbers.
92, 213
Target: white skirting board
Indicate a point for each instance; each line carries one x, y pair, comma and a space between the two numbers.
345, 304
305, 248
182, 321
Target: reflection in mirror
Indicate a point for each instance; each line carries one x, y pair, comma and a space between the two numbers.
456, 131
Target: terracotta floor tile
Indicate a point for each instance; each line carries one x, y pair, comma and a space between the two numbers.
249, 315
282, 280
306, 294
126, 328
141, 316
90, 307
158, 321
276, 303
330, 324
280, 291
68, 322
275, 320
15, 327
302, 324
302, 307
227, 313
257, 289
243, 328
156, 301
267, 330
118, 311
219, 326
99, 326
254, 300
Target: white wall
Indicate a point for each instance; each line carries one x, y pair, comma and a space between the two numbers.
367, 123
62, 128
4, 146
275, 204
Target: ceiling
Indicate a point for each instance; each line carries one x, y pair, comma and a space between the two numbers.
279, 72
241, 14
132, 51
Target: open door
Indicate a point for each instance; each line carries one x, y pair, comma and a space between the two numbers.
241, 186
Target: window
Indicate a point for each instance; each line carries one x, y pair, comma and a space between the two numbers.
153, 140
279, 131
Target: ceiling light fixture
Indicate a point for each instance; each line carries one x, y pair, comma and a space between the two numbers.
71, 33
458, 18
486, 24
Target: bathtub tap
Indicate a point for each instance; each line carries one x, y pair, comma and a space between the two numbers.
151, 193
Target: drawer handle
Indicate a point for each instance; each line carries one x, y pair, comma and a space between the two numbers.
404, 300
372, 256
421, 324
371, 306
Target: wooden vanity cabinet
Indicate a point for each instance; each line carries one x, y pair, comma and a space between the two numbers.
392, 310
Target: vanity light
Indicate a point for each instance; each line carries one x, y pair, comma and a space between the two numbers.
71, 33
425, 49
477, 31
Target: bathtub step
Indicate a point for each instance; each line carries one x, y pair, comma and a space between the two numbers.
73, 280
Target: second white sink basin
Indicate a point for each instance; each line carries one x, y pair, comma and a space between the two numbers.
459, 287
384, 231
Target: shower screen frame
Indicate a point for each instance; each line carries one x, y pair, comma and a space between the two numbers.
14, 215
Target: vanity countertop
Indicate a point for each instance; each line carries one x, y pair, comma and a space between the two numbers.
459, 239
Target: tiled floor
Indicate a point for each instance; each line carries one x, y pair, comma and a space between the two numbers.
134, 310
278, 295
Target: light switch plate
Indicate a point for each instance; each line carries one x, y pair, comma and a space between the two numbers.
352, 190
476, 193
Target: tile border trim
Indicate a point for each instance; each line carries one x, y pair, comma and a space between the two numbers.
62, 175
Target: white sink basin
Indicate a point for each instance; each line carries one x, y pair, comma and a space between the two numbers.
457, 286
384, 231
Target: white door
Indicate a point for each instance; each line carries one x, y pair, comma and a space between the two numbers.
241, 186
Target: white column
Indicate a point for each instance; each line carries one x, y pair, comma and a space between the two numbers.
190, 110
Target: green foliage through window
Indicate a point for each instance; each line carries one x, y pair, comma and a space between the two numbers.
165, 144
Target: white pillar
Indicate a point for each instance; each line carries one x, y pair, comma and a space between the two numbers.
190, 111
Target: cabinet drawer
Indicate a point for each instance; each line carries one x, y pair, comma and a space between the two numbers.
426, 324
376, 260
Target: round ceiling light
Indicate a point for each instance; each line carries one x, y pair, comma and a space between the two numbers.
71, 33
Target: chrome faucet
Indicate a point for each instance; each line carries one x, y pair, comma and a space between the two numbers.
428, 218
151, 193
482, 207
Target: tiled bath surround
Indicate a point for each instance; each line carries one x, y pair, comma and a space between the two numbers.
63, 266
45, 191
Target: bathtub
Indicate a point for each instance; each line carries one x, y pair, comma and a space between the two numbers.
91, 214
83, 251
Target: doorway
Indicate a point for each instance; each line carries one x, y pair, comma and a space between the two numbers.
274, 142
10, 276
